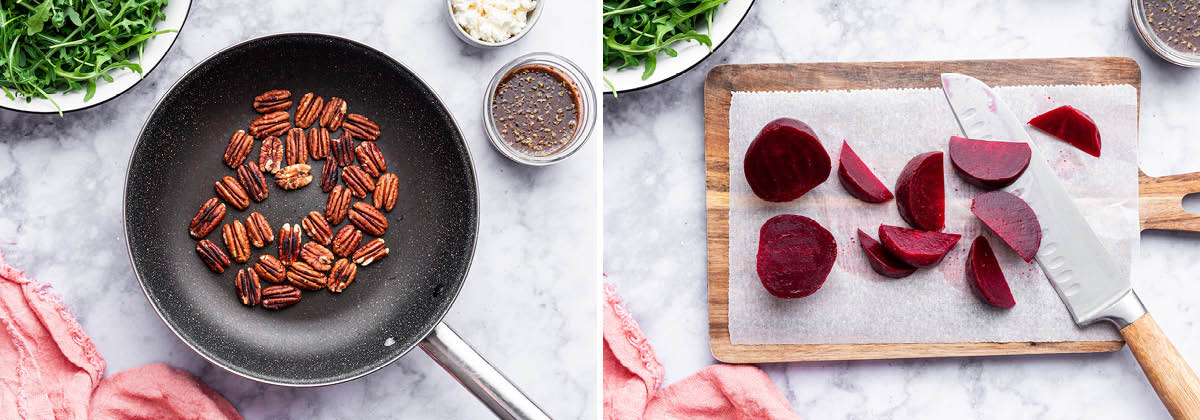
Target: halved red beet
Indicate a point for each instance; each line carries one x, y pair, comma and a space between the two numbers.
988, 164
785, 161
1012, 220
918, 248
795, 255
881, 260
1072, 126
921, 192
984, 271
857, 178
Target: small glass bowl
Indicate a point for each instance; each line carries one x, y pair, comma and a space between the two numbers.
1156, 44
462, 34
574, 76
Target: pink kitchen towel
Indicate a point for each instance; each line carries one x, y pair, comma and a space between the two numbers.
49, 368
158, 391
633, 375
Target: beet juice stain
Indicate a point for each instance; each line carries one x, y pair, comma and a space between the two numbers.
1175, 22
536, 110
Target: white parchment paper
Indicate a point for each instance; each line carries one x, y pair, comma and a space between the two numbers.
886, 128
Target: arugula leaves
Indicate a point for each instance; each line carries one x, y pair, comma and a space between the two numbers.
49, 46
636, 31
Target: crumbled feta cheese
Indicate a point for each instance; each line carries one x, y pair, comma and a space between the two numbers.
492, 20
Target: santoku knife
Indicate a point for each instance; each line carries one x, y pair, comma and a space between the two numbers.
1072, 256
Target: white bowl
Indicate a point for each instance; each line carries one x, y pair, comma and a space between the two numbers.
467, 38
691, 53
123, 79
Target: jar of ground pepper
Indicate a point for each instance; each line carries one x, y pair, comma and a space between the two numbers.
539, 109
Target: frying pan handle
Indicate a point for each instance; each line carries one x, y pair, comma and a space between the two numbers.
478, 376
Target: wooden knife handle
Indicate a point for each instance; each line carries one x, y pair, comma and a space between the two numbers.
1167, 371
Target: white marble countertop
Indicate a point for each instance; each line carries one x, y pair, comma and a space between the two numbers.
528, 305
655, 223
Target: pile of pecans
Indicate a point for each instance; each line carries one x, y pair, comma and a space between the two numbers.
329, 260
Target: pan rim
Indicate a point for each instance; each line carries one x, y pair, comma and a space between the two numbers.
470, 257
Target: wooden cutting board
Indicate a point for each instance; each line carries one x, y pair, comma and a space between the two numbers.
1160, 203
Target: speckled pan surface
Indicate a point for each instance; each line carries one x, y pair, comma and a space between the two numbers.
326, 338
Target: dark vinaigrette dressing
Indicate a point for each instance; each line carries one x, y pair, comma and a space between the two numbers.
536, 110
1176, 22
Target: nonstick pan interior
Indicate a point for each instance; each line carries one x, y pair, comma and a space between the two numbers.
326, 337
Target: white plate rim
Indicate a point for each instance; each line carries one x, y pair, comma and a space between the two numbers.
155, 51
690, 55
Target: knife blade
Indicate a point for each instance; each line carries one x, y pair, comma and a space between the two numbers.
1072, 256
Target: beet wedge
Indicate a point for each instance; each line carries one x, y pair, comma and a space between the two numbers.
857, 178
984, 272
785, 161
795, 255
987, 164
921, 192
1012, 220
1072, 126
918, 248
881, 260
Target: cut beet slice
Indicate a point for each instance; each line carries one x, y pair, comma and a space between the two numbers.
857, 178
921, 192
984, 271
1012, 220
881, 260
918, 248
785, 161
1072, 126
795, 255
988, 164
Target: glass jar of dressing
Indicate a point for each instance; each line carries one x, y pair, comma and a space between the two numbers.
1170, 28
539, 109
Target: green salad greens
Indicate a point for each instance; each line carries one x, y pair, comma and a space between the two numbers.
53, 46
636, 31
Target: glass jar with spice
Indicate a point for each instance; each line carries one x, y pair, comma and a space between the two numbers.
1170, 28
539, 109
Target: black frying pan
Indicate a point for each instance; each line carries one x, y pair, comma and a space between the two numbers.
394, 304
